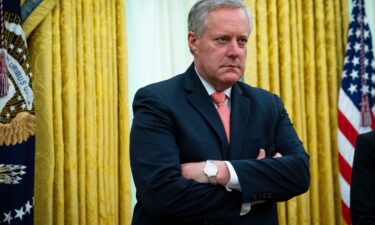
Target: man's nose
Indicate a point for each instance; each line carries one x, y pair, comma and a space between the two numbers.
233, 49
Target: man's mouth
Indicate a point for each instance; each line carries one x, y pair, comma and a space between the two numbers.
232, 66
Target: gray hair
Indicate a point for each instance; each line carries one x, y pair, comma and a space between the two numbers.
197, 19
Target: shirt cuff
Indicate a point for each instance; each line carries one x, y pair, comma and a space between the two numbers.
233, 183
245, 209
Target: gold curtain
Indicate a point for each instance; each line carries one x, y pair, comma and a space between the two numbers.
79, 58
297, 51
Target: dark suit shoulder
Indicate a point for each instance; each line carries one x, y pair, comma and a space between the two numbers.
164, 85
368, 137
259, 95
248, 88
366, 142
163, 90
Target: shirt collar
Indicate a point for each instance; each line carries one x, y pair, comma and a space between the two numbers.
210, 90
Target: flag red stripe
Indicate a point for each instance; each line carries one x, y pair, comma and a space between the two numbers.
346, 213
347, 129
345, 169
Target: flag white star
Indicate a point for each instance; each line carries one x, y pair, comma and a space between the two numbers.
373, 78
344, 75
358, 33
19, 213
365, 89
359, 18
367, 34
373, 92
365, 76
7, 217
352, 88
12, 108
19, 97
11, 46
357, 47
366, 48
346, 60
354, 74
355, 61
366, 62
350, 31
373, 64
19, 50
28, 207
23, 106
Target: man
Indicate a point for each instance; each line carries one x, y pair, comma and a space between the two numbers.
192, 163
362, 192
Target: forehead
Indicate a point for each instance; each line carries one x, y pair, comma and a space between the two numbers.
228, 19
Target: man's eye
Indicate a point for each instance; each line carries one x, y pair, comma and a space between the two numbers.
242, 42
221, 40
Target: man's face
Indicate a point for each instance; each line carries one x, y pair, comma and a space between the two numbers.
220, 53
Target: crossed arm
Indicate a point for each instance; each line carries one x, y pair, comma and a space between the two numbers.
194, 171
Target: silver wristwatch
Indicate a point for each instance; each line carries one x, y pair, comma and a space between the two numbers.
210, 170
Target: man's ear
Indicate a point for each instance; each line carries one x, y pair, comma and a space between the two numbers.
192, 41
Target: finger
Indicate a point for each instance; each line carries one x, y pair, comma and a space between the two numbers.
262, 154
257, 202
277, 155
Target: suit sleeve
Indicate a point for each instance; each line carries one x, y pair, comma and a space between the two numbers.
276, 179
155, 163
362, 201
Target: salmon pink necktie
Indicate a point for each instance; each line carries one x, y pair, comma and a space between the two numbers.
223, 110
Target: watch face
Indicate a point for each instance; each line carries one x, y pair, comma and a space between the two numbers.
210, 170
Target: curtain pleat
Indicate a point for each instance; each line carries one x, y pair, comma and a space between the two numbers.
79, 57
297, 51
251, 62
41, 60
125, 195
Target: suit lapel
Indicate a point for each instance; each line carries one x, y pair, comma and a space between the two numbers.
198, 97
240, 110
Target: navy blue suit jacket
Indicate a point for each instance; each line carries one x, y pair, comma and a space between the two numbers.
362, 191
175, 121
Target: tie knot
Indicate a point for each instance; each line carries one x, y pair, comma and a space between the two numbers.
218, 97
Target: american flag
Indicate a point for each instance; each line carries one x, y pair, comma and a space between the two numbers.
356, 109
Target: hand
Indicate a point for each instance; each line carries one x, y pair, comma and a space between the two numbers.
262, 154
194, 171
257, 202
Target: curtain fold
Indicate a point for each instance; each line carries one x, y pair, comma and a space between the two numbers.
79, 56
297, 51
